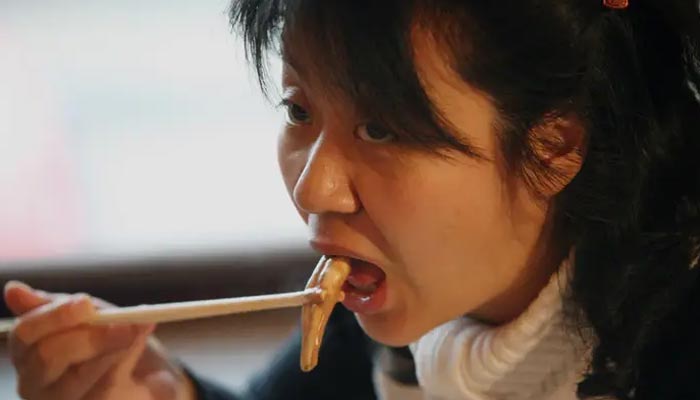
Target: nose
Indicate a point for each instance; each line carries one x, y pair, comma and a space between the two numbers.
325, 185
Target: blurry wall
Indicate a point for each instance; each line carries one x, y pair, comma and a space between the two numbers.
133, 128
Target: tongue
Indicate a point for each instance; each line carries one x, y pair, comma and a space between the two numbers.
365, 274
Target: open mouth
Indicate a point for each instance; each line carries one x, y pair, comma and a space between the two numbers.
365, 277
365, 287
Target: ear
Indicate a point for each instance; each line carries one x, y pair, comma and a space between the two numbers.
559, 144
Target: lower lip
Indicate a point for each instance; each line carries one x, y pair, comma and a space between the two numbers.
365, 303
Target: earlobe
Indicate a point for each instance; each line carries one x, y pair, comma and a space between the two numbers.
559, 144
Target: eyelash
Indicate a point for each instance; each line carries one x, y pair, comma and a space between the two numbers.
366, 127
291, 106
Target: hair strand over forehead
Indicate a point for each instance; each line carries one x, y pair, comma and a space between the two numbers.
361, 49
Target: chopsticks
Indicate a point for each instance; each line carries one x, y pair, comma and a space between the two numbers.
181, 311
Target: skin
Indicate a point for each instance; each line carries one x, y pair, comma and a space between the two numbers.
454, 236
57, 357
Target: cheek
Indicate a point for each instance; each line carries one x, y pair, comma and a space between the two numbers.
445, 226
448, 221
445, 208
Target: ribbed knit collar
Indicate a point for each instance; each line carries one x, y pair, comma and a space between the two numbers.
527, 358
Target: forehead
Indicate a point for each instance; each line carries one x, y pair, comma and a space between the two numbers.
311, 61
306, 60
318, 62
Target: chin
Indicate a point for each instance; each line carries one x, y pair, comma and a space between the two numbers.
390, 329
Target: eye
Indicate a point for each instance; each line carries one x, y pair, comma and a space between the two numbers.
294, 113
374, 133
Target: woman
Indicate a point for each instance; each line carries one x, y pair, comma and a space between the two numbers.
516, 182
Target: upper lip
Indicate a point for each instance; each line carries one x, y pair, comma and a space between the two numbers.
332, 249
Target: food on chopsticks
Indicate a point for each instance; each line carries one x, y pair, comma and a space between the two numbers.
328, 276
322, 292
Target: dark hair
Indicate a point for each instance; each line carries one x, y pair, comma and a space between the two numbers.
631, 76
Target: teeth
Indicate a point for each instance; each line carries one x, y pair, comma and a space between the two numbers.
366, 287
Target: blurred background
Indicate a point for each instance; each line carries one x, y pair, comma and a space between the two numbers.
137, 163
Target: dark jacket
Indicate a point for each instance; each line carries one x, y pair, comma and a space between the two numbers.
344, 371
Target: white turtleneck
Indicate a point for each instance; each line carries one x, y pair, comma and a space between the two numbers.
532, 357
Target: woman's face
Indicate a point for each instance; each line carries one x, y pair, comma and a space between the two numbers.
453, 236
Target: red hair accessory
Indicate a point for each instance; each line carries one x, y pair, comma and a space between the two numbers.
616, 4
